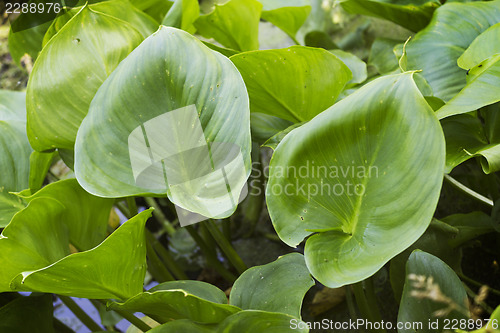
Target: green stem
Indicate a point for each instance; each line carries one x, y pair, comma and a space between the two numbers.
132, 206
137, 322
478, 284
468, 191
80, 314
365, 306
226, 229
60, 327
350, 303
171, 264
158, 213
158, 269
226, 247
211, 258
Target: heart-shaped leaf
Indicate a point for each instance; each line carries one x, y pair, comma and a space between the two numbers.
345, 175
68, 72
432, 291
279, 286
155, 88
287, 15
194, 300
114, 269
233, 23
295, 84
446, 41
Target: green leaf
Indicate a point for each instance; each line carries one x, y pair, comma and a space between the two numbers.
382, 55
28, 41
86, 216
436, 241
469, 226
413, 15
234, 24
120, 9
279, 286
114, 269
288, 15
39, 166
32, 241
9, 206
355, 65
156, 78
432, 290
15, 151
481, 89
274, 141
453, 28
39, 309
182, 15
248, 321
467, 137
319, 39
295, 83
483, 47
194, 300
264, 126
88, 47
348, 172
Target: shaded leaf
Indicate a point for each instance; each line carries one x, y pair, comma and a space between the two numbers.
355, 65
248, 321
85, 216
413, 15
287, 15
234, 24
279, 286
467, 137
194, 300
114, 269
39, 166
382, 55
432, 290
37, 308
481, 89
446, 40
483, 47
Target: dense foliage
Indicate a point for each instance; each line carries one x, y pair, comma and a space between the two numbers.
366, 161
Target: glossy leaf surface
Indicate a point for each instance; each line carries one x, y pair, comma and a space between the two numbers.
294, 84
445, 40
279, 286
358, 158
68, 73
